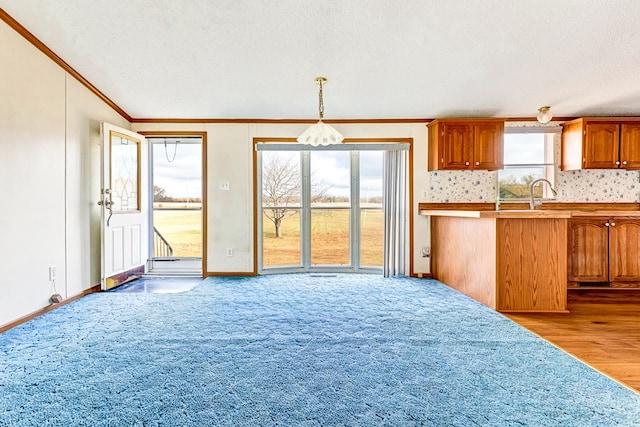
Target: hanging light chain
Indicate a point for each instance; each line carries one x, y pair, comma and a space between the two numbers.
320, 81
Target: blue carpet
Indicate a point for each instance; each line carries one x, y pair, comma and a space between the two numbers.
296, 350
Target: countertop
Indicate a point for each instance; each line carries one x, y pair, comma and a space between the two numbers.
518, 210
512, 214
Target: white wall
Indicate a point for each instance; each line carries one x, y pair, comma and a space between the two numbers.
230, 158
49, 179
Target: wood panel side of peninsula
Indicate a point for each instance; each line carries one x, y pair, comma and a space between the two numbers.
508, 263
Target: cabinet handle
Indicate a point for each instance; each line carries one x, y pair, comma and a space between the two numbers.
624, 163
613, 224
477, 163
466, 163
617, 163
606, 224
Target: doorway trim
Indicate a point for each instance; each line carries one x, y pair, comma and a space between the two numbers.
256, 208
203, 135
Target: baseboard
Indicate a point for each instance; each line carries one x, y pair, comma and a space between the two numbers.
47, 309
229, 273
422, 275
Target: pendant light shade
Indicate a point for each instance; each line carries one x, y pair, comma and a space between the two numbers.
544, 114
320, 133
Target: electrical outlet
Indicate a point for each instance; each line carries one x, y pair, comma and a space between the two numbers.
425, 251
52, 273
229, 251
224, 185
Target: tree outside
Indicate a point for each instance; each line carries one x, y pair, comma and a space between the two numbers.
512, 187
281, 188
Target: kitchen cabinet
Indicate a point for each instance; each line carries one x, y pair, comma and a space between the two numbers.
604, 250
465, 144
601, 143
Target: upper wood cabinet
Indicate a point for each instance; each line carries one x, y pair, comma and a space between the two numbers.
460, 144
601, 143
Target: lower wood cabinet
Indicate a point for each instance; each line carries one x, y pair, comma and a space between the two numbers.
604, 250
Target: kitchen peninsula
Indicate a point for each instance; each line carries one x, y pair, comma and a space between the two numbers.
508, 260
522, 260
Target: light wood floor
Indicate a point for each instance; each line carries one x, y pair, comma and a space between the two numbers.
603, 330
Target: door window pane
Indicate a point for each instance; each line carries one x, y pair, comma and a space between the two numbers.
125, 188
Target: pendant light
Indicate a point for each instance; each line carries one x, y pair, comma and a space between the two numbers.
544, 114
320, 133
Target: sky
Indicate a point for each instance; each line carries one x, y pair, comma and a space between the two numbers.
180, 177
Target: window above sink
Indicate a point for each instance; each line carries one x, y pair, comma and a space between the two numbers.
529, 154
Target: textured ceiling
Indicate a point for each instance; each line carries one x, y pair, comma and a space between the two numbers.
383, 59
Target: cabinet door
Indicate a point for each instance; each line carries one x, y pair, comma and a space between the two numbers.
624, 250
588, 256
457, 146
630, 146
601, 145
488, 146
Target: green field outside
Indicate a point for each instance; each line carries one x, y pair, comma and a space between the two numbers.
182, 229
329, 236
329, 239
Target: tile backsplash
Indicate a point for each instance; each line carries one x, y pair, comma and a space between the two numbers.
598, 186
572, 186
462, 186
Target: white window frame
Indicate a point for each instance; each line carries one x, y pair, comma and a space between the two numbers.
550, 165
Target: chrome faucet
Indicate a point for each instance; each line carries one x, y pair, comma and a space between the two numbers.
532, 202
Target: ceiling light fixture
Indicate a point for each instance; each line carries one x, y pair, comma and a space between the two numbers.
320, 133
544, 114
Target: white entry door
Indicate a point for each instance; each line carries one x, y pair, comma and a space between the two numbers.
125, 205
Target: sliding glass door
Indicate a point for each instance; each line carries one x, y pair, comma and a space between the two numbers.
321, 210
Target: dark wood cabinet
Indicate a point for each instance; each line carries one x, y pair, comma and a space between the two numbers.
465, 144
604, 250
600, 143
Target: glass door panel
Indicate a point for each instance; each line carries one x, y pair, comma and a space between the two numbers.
330, 201
282, 250
178, 231
281, 196
321, 210
371, 214
330, 237
371, 237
